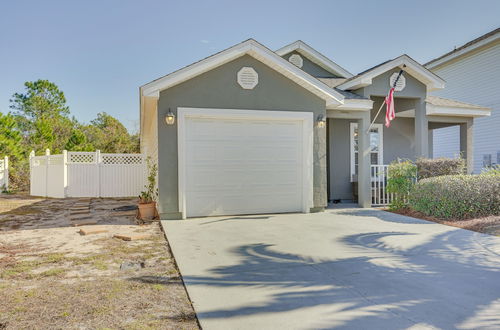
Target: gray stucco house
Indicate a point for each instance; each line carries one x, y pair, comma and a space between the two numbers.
249, 130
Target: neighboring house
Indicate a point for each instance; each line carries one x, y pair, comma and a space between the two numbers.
472, 74
249, 130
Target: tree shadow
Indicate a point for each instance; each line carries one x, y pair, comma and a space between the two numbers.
443, 282
380, 214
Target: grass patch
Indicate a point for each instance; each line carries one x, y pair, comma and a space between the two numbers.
52, 272
100, 264
18, 269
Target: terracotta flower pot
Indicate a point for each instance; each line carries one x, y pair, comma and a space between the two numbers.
147, 210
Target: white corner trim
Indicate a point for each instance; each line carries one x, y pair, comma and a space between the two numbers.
415, 69
464, 51
315, 57
434, 110
307, 119
259, 52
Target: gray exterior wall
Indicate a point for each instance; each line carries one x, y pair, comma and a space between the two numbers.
312, 68
218, 88
399, 139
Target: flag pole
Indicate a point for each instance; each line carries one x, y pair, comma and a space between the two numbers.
375, 118
382, 105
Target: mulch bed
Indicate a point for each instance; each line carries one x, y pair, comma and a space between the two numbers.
486, 225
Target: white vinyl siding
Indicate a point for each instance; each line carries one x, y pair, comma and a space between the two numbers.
474, 79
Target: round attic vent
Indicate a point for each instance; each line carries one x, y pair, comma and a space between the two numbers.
296, 60
400, 85
248, 77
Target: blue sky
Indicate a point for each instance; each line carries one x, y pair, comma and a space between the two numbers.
100, 52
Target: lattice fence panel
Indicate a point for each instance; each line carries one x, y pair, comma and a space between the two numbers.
81, 157
124, 159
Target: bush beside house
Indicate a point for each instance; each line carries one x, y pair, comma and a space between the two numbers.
428, 168
401, 178
457, 196
443, 190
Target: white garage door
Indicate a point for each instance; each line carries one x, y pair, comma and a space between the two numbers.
243, 166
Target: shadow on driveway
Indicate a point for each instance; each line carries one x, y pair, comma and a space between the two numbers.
446, 282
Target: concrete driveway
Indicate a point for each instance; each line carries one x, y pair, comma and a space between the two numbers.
347, 268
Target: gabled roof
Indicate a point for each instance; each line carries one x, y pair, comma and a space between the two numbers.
259, 52
315, 57
418, 71
466, 48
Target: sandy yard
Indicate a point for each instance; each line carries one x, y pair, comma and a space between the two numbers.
53, 277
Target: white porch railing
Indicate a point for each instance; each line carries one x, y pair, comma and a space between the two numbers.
4, 173
380, 196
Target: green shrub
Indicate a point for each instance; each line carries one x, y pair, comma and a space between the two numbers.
457, 196
428, 168
401, 177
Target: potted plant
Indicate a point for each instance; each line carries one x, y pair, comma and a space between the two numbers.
147, 198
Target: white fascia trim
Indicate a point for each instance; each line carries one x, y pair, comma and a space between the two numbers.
259, 52
354, 105
415, 69
307, 119
464, 51
315, 56
433, 110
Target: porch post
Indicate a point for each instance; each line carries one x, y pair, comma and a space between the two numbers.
466, 144
421, 130
364, 182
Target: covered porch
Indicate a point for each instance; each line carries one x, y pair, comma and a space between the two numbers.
360, 147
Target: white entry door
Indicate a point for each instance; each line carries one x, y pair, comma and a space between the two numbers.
243, 165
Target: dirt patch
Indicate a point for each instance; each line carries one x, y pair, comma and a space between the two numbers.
51, 277
486, 225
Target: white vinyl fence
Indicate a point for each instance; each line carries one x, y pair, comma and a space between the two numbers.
87, 174
4, 173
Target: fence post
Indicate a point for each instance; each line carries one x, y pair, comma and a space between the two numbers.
65, 173
6, 172
47, 156
32, 154
98, 164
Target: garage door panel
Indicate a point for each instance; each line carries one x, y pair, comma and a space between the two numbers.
243, 166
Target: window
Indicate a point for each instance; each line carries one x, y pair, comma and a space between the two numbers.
486, 160
376, 147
